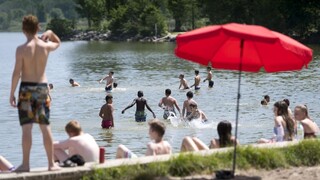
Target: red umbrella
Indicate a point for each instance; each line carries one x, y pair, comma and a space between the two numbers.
244, 48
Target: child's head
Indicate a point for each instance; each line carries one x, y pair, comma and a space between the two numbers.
111, 73
158, 127
287, 102
181, 76
267, 98
51, 86
140, 93
109, 98
301, 112
189, 94
168, 92
281, 108
224, 131
30, 24
196, 72
208, 68
73, 128
71, 81
264, 102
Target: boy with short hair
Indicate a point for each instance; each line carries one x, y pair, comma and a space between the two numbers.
79, 143
157, 147
168, 103
73, 83
209, 77
186, 110
196, 80
109, 81
106, 113
183, 82
141, 103
34, 101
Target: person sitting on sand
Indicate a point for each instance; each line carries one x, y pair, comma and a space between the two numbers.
5, 165
225, 139
196, 113
73, 83
310, 128
157, 147
283, 124
141, 103
78, 142
183, 82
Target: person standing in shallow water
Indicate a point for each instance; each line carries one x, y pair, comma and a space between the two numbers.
197, 80
106, 113
109, 80
34, 101
141, 103
209, 78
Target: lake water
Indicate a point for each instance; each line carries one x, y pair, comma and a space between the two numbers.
151, 68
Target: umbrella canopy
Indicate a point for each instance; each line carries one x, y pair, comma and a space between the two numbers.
243, 48
220, 46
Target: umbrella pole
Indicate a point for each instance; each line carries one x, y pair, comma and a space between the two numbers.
237, 110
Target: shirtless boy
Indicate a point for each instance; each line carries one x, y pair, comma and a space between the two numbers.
209, 77
157, 147
106, 113
183, 82
73, 83
34, 101
196, 80
78, 143
196, 113
109, 80
167, 103
186, 110
141, 103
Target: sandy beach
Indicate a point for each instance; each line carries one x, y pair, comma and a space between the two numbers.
296, 173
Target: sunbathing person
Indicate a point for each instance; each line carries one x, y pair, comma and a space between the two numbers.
225, 139
78, 142
310, 128
157, 147
283, 124
5, 165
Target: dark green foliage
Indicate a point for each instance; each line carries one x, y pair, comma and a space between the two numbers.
62, 27
133, 19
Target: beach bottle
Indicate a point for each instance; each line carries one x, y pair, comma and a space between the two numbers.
300, 132
101, 155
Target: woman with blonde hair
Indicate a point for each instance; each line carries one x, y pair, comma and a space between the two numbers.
310, 128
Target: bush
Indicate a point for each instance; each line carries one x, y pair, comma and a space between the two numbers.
62, 27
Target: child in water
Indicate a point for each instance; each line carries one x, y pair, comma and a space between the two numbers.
310, 128
106, 113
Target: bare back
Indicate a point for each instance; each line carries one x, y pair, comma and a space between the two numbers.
162, 147
169, 102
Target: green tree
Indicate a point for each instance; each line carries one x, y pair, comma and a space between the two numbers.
93, 10
4, 21
137, 18
41, 14
56, 13
185, 13
62, 27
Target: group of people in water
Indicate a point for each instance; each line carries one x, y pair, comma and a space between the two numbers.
34, 107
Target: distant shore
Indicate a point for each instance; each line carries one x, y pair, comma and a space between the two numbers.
107, 36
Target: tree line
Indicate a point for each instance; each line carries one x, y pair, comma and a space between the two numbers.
129, 18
